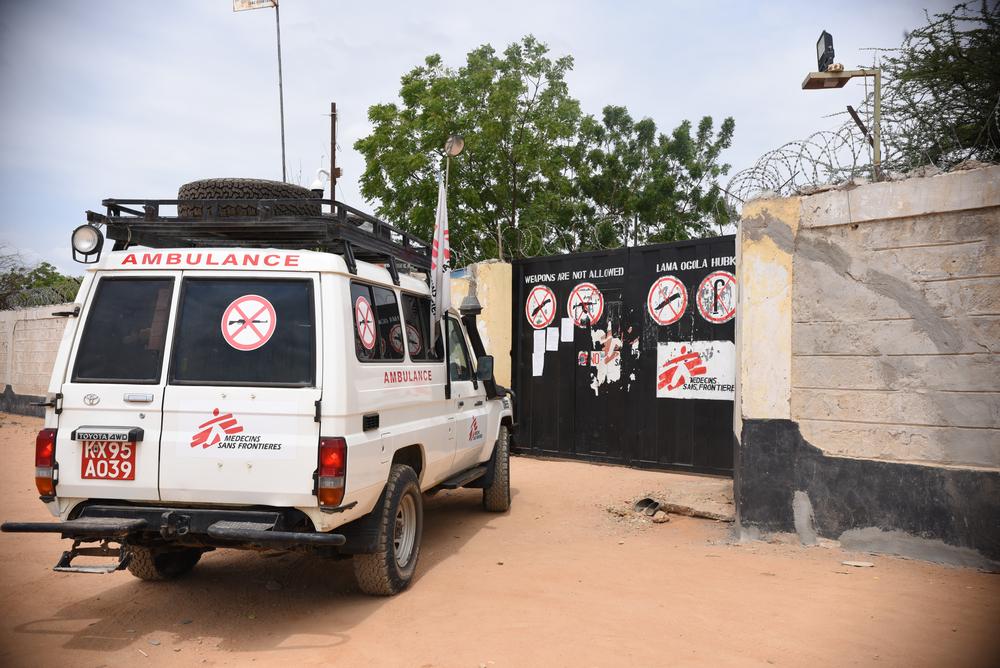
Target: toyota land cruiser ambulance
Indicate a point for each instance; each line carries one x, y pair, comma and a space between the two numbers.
217, 386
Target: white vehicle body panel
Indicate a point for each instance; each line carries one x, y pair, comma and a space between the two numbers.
453, 434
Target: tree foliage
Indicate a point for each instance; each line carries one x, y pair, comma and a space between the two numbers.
943, 89
536, 175
17, 278
640, 187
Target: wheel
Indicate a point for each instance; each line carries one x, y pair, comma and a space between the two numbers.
496, 497
246, 189
390, 568
147, 563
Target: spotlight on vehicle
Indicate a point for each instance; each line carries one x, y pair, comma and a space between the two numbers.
824, 51
87, 242
454, 145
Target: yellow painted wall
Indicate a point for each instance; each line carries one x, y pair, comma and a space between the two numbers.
490, 282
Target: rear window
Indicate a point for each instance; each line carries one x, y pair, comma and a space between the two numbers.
245, 332
125, 333
417, 315
378, 331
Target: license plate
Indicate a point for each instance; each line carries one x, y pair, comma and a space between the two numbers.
108, 460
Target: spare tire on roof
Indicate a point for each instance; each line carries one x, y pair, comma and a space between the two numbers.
246, 189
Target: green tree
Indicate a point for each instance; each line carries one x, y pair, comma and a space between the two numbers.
942, 92
536, 175
641, 187
519, 125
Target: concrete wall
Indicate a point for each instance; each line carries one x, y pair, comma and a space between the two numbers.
29, 340
490, 282
869, 326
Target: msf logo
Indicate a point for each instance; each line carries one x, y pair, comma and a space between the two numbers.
474, 433
212, 432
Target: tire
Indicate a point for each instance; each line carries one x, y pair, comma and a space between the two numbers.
246, 189
496, 497
401, 526
148, 564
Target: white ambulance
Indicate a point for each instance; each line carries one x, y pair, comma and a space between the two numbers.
217, 386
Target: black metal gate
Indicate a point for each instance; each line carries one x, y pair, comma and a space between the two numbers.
628, 356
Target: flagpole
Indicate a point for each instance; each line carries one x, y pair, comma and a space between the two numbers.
281, 95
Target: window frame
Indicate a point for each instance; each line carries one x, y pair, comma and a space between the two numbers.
236, 276
371, 301
451, 321
430, 330
101, 280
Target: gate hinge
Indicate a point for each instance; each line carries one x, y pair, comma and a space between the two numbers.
319, 403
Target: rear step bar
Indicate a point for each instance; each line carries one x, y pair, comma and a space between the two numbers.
104, 527
174, 524
260, 533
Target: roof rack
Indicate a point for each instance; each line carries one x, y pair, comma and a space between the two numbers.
346, 231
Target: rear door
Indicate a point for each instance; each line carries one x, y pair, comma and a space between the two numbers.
239, 409
109, 428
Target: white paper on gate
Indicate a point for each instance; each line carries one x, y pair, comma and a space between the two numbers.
539, 341
701, 370
537, 363
567, 329
552, 338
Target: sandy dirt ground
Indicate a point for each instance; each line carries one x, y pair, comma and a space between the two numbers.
559, 581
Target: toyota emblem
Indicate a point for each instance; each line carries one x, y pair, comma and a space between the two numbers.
91, 399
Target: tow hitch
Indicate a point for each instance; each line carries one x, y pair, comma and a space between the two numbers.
104, 550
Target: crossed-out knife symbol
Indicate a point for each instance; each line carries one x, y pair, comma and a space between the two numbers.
666, 301
540, 306
241, 321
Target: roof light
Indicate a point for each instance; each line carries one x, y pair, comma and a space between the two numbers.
87, 242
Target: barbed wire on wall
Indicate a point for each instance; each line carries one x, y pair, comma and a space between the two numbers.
47, 296
939, 111
836, 156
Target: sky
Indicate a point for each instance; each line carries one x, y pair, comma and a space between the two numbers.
133, 98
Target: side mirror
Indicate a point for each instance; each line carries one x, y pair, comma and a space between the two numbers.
484, 368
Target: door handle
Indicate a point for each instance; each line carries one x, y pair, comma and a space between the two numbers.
138, 397
479, 403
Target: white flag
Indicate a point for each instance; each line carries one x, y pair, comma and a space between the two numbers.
440, 261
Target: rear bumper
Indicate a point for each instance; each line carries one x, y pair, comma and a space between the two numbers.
278, 528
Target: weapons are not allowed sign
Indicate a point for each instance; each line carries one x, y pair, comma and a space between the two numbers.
667, 300
248, 322
540, 306
585, 305
717, 297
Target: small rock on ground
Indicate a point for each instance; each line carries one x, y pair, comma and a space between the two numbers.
660, 517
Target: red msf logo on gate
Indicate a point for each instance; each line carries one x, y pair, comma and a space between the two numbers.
673, 376
212, 432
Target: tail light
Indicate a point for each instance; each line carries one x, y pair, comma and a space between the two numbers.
45, 462
332, 471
